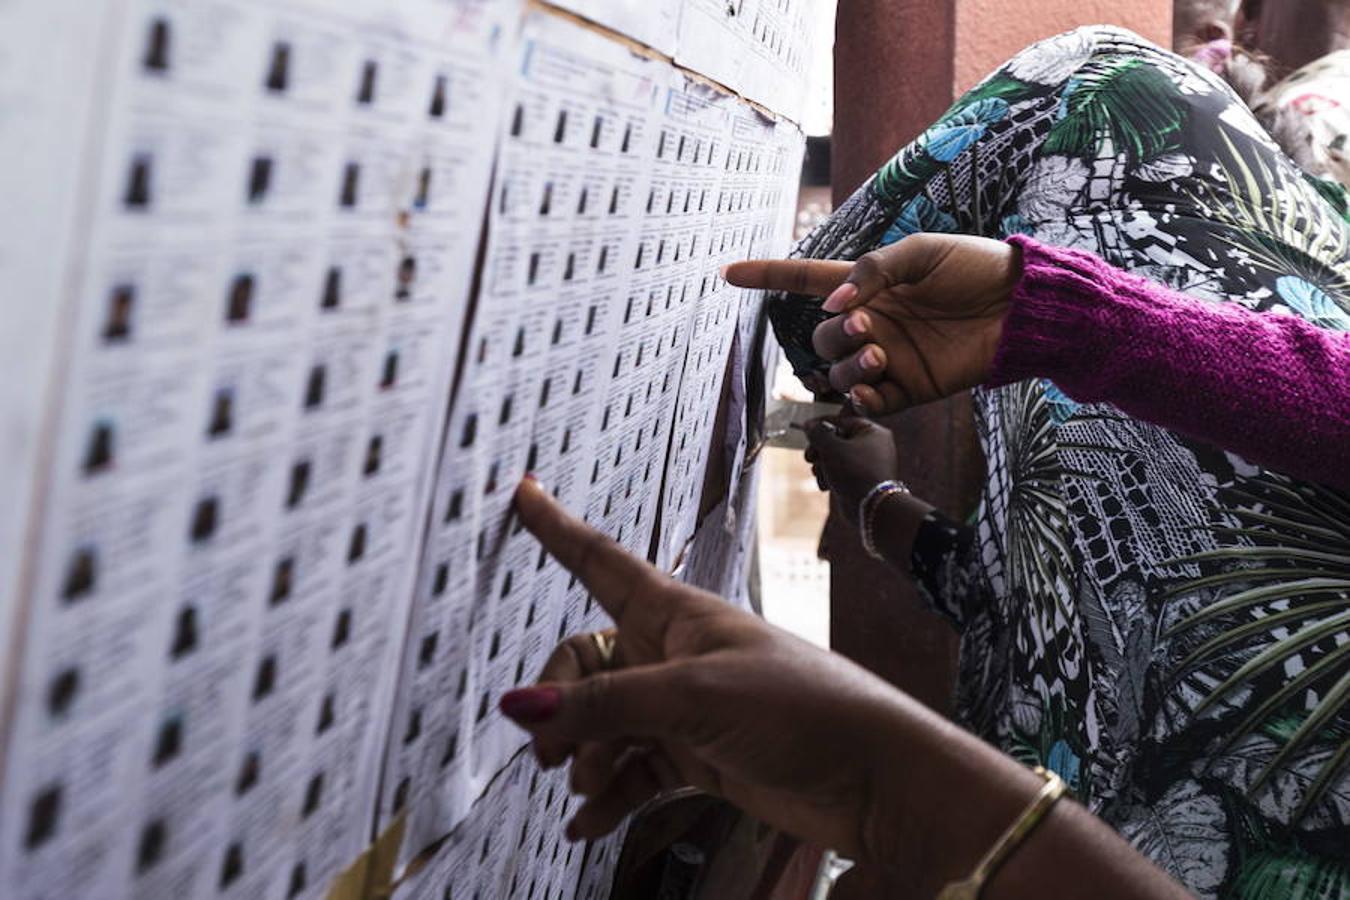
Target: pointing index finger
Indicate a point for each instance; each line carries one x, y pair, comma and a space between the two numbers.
817, 277
610, 573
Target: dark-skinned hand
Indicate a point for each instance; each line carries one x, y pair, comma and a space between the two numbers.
702, 694
919, 320
849, 456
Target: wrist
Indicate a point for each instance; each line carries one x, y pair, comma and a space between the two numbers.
869, 511
896, 526
1050, 328
943, 797
991, 338
851, 494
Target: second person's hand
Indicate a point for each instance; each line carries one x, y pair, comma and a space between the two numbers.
849, 456
919, 320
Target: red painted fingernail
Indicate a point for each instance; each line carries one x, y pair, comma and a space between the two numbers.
531, 705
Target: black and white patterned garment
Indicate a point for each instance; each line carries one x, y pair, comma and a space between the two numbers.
1163, 624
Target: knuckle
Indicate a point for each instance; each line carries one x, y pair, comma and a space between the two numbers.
924, 241
881, 263
690, 682
842, 376
583, 777
593, 698
550, 753
558, 660
912, 244
870, 263
695, 690
578, 660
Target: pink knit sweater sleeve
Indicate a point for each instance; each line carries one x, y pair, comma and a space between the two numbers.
1271, 388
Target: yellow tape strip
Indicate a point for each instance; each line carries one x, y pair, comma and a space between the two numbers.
371, 877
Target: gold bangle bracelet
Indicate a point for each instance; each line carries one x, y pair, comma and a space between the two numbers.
970, 888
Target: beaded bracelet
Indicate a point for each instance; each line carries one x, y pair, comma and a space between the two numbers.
867, 511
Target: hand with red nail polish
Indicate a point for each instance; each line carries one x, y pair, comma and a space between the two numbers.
918, 320
703, 694
700, 693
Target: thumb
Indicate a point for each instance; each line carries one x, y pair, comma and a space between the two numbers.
851, 425
639, 702
824, 434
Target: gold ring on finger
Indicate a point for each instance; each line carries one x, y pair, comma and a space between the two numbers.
605, 643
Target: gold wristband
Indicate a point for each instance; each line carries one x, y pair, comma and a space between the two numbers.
970, 888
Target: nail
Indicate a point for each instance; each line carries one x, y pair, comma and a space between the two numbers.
855, 400
842, 296
530, 476
871, 359
532, 705
571, 832
723, 272
855, 325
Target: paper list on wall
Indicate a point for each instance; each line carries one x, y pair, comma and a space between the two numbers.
719, 557
45, 101
510, 845
609, 221
652, 22
677, 276
747, 214
759, 48
283, 214
489, 605
602, 862
287, 205
755, 352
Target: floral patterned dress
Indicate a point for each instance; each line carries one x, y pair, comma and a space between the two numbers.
1165, 625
